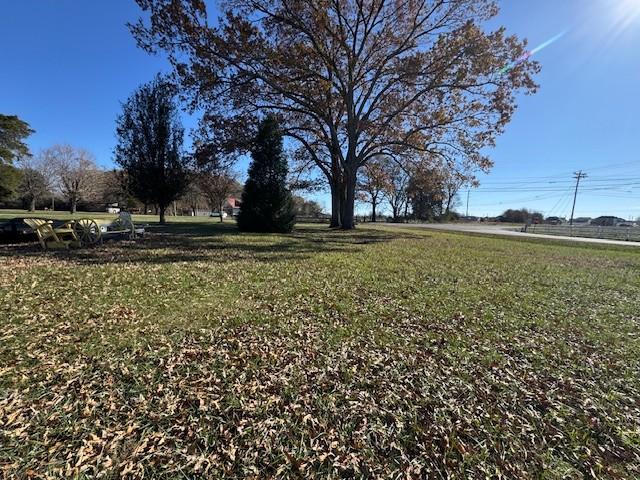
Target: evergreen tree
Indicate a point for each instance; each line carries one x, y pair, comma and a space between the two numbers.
10, 178
149, 146
13, 132
267, 203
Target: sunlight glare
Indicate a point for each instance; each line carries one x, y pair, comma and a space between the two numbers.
626, 12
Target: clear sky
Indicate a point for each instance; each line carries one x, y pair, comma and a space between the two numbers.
66, 65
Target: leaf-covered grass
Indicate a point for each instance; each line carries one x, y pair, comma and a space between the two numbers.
202, 352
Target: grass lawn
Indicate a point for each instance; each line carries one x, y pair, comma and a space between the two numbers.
202, 352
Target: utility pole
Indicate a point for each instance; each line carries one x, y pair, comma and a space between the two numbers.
577, 175
468, 190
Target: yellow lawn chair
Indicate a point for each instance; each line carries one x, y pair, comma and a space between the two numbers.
50, 237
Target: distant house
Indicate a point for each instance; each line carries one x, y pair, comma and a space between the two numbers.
582, 221
232, 207
608, 221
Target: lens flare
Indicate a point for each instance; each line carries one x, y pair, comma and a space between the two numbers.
529, 53
626, 14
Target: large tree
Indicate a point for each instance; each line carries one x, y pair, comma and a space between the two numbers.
149, 148
350, 79
75, 173
13, 132
267, 204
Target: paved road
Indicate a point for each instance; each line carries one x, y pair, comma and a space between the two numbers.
487, 229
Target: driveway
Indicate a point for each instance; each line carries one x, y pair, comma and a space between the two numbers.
508, 231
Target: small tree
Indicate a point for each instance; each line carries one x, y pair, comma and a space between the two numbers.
13, 131
373, 182
37, 178
217, 187
521, 216
425, 192
267, 204
112, 188
193, 197
395, 190
34, 186
75, 173
149, 148
307, 208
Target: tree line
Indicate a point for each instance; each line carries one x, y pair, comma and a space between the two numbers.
154, 168
421, 192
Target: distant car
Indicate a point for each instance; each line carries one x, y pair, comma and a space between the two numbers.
553, 221
217, 214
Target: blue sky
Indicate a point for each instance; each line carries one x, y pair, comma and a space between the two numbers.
67, 64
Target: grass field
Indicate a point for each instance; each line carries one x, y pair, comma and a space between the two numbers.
202, 352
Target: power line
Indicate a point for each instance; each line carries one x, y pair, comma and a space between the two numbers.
609, 166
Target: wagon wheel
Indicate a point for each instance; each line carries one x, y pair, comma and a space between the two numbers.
87, 231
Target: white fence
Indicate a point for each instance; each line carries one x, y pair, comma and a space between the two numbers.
590, 231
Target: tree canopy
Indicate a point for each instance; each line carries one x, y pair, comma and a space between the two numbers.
10, 178
37, 178
149, 148
349, 79
373, 182
13, 132
75, 173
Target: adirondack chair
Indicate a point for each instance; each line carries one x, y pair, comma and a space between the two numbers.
50, 237
128, 220
123, 225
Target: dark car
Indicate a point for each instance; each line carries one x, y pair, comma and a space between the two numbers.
15, 230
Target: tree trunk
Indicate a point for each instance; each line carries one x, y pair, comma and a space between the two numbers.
74, 205
373, 211
348, 201
32, 204
162, 219
221, 213
335, 203
449, 200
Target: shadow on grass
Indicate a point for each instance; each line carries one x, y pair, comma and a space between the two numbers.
210, 242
